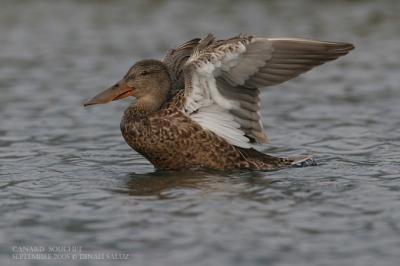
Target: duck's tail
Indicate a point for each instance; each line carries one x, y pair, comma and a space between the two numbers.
261, 161
303, 161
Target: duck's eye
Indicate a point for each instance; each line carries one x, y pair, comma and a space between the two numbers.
144, 73
130, 78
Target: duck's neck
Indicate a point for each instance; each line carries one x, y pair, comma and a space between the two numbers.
146, 105
150, 104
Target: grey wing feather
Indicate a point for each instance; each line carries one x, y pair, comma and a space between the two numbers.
291, 57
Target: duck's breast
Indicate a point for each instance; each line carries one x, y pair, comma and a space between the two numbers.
171, 140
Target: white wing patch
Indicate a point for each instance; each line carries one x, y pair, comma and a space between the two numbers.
210, 109
222, 123
206, 105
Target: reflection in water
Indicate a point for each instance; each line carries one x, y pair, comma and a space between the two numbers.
153, 184
158, 182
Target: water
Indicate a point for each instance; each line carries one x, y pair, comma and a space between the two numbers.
68, 179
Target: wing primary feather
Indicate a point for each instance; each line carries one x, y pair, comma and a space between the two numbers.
223, 77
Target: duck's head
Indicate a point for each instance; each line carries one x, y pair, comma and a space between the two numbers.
147, 80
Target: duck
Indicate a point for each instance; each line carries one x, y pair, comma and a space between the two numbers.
199, 107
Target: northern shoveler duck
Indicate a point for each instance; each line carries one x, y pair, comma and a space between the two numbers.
200, 107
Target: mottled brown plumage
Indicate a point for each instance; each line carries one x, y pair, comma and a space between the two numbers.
171, 140
199, 108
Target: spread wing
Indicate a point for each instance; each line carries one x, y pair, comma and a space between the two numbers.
222, 80
175, 60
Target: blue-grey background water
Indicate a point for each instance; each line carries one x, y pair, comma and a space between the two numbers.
68, 179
